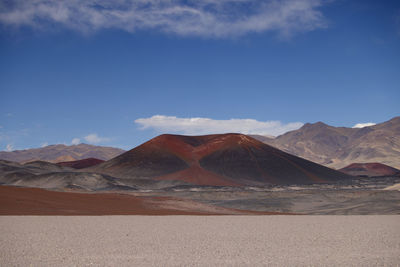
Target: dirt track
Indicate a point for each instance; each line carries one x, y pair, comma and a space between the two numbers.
200, 240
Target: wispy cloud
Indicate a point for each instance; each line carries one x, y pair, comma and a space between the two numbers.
75, 141
44, 144
206, 18
11, 137
199, 126
95, 139
362, 125
9, 147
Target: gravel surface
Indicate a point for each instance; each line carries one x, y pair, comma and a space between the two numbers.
200, 240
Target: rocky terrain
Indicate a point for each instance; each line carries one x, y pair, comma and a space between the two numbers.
358, 198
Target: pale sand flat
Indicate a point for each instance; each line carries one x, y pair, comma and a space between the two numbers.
200, 240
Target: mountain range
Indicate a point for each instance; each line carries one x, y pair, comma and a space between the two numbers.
334, 147
176, 160
60, 153
216, 160
337, 147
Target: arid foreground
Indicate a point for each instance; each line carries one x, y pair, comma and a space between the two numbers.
200, 240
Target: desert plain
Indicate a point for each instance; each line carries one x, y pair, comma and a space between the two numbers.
220, 200
275, 226
330, 240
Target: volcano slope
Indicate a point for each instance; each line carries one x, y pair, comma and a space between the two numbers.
215, 160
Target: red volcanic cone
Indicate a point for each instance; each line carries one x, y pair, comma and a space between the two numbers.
221, 159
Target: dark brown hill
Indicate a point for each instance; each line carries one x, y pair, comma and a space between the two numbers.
80, 164
370, 170
337, 147
60, 153
224, 159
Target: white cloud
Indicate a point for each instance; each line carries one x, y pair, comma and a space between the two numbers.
9, 147
44, 144
200, 126
362, 125
75, 141
207, 18
94, 139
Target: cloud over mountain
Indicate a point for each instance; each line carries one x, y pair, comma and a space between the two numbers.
200, 126
362, 125
206, 18
9, 147
75, 141
95, 139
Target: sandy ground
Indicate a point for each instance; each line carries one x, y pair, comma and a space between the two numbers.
200, 240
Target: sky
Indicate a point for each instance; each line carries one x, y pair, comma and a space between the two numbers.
117, 73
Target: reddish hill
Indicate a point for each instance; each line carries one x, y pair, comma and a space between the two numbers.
220, 160
370, 170
80, 164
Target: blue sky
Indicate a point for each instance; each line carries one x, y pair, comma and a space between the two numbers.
117, 73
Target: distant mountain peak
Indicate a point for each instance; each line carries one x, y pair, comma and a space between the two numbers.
337, 147
318, 124
61, 152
